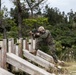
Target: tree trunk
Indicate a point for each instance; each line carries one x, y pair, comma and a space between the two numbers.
2, 24
32, 13
19, 18
4, 32
0, 5
20, 25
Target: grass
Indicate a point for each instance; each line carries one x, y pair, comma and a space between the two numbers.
71, 67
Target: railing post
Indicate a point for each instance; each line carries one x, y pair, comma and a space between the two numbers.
20, 42
1, 44
24, 43
4, 51
31, 45
0, 56
17, 53
34, 44
9, 46
27, 45
17, 49
12, 45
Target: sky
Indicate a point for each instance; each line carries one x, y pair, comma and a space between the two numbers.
7, 3
62, 5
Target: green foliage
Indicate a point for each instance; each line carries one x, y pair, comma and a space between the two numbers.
74, 51
1, 14
14, 13
13, 29
42, 21
29, 24
65, 37
13, 32
32, 0
54, 15
36, 22
58, 46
